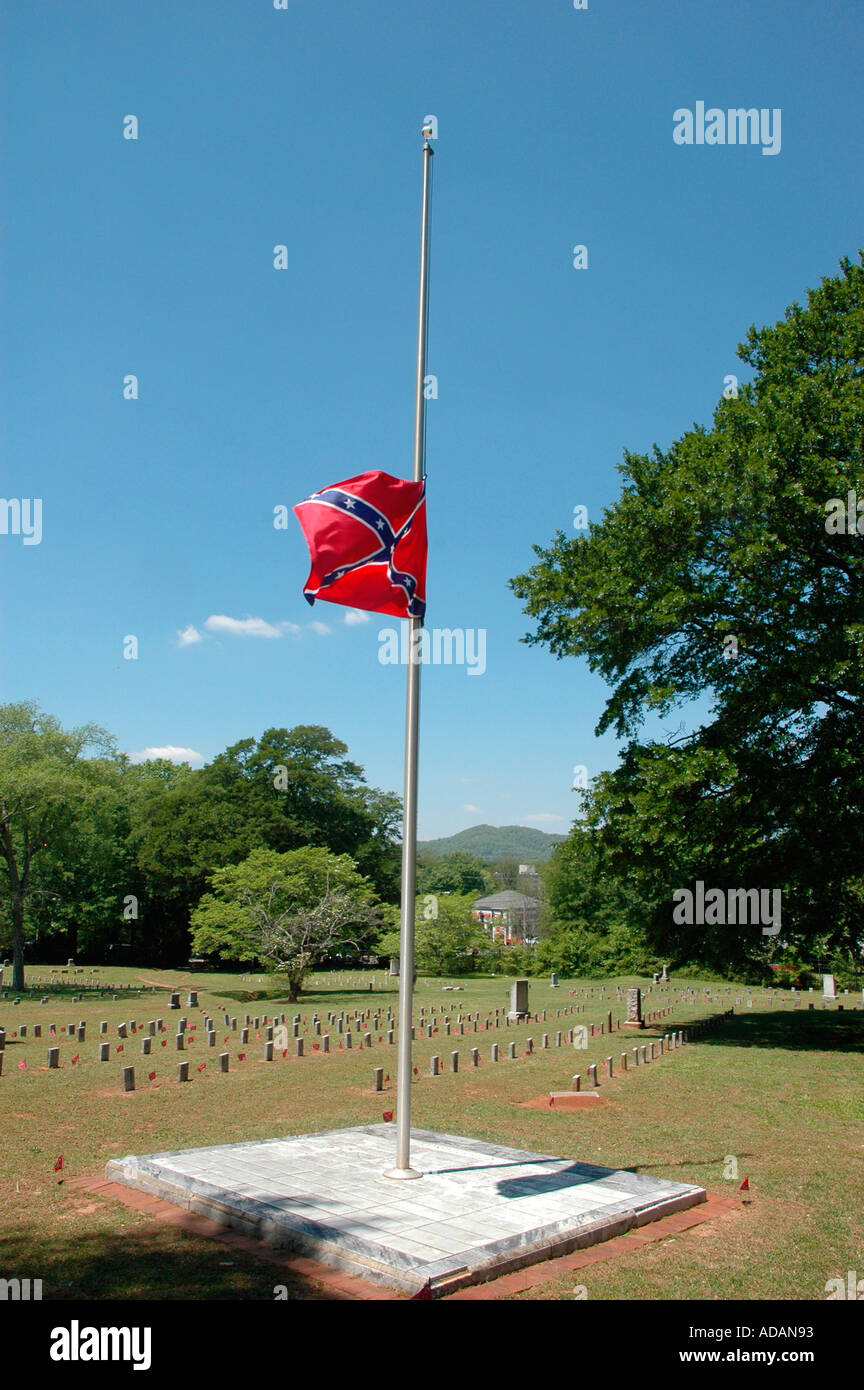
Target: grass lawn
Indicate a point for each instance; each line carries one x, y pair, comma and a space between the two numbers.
777, 1089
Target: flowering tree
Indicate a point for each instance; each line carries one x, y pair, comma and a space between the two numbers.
288, 910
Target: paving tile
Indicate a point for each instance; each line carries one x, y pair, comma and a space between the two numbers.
476, 1202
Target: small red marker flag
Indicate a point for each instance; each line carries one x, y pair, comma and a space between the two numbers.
241, 1056
388, 1115
151, 1076
745, 1186
416, 1070
119, 1047
75, 1058
284, 1052
315, 1047
58, 1166
22, 1066
202, 1066
163, 1043
387, 1077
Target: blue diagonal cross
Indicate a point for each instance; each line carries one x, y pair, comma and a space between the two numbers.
381, 527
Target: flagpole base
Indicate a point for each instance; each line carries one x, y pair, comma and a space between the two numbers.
401, 1174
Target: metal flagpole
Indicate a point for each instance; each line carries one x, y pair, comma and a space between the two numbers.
403, 1167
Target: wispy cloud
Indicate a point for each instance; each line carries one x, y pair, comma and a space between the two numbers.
169, 753
242, 627
469, 807
222, 625
354, 617
543, 816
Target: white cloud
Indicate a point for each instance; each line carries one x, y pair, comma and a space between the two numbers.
221, 624
469, 807
241, 627
170, 753
543, 816
354, 617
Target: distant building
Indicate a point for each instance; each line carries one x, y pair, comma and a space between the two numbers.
528, 881
509, 917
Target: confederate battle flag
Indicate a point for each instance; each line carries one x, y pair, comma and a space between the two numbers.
367, 544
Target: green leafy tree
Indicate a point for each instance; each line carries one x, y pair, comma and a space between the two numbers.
288, 789
48, 788
458, 872
84, 898
720, 575
447, 940
287, 911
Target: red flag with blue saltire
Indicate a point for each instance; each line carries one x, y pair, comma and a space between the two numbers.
367, 544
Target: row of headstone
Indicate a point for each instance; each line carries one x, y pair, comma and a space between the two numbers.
650, 1051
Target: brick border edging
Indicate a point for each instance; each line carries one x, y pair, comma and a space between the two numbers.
343, 1286
339, 1284
506, 1285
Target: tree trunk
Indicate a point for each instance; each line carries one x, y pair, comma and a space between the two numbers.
17, 941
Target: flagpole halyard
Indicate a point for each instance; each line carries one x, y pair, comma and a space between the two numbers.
403, 1167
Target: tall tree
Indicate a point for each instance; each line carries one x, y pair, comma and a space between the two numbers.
47, 788
723, 572
286, 910
288, 789
448, 940
458, 872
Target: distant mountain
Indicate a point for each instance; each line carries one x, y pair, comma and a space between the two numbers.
496, 842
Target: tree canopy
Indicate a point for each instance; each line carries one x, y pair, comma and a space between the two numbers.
98, 854
286, 911
447, 940
53, 802
721, 575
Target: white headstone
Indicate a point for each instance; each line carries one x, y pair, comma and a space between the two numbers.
828, 990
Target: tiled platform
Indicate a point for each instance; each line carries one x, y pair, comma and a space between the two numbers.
478, 1211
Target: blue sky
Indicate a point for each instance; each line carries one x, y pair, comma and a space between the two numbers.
154, 257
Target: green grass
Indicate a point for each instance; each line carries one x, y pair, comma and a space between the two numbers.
779, 1090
